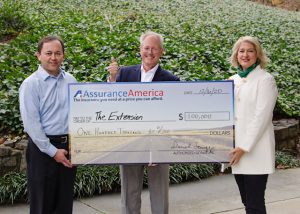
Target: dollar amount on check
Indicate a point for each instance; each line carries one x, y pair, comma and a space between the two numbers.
157, 122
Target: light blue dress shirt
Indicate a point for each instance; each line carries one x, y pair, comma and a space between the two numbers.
44, 107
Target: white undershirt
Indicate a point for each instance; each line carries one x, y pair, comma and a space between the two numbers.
148, 76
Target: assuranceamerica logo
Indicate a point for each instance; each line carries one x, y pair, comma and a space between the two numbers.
89, 95
78, 94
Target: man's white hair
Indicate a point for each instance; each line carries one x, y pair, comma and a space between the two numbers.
151, 33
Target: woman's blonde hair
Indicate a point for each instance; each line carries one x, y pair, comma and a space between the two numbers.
261, 55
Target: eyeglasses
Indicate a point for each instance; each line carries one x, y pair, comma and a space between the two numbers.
148, 49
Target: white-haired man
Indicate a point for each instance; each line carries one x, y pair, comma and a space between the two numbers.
151, 49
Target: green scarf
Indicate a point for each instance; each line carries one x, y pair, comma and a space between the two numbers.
244, 73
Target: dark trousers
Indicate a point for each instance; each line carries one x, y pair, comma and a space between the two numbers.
50, 184
252, 189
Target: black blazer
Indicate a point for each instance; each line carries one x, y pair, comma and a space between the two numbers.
133, 74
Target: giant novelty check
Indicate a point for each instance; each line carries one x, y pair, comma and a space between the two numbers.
157, 122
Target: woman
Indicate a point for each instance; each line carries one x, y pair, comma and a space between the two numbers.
253, 157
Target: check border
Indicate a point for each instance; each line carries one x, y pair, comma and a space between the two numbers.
162, 138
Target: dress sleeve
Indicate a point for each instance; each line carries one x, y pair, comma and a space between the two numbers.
30, 113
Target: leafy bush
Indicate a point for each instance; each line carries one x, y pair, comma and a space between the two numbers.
91, 180
96, 180
187, 172
285, 160
13, 18
198, 35
13, 187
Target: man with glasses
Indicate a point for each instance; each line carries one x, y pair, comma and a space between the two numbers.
151, 49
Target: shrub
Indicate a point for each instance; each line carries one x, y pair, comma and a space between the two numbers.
91, 180
13, 187
96, 180
198, 36
285, 160
13, 18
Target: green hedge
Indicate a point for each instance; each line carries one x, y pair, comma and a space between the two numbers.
13, 18
95, 180
198, 35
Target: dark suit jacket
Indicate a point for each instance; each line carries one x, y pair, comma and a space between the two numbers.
133, 74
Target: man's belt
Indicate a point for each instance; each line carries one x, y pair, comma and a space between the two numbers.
58, 138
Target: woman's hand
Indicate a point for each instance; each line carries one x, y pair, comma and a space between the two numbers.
236, 155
